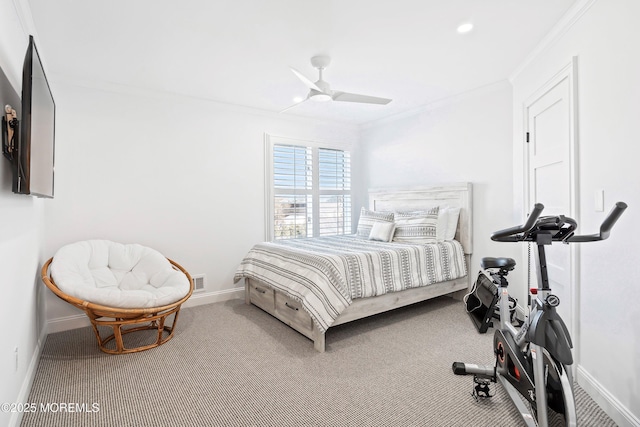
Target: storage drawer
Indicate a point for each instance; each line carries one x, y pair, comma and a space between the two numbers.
262, 296
291, 312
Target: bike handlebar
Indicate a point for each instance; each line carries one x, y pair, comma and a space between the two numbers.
605, 228
509, 234
518, 233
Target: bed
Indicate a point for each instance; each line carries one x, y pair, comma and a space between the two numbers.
317, 283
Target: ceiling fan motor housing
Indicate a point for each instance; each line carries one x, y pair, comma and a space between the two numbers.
320, 61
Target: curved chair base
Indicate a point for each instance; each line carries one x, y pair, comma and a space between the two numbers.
154, 321
125, 321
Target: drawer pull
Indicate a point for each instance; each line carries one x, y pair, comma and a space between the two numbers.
290, 306
262, 291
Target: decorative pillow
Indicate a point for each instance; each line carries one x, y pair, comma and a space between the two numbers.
368, 218
413, 227
382, 231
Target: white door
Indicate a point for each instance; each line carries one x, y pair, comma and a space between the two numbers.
550, 169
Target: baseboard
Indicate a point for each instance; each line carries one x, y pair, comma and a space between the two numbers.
609, 404
25, 389
61, 324
202, 298
76, 321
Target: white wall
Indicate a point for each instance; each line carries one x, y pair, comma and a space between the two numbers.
182, 175
21, 309
163, 170
466, 138
605, 41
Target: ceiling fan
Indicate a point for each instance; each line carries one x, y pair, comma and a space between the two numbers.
321, 90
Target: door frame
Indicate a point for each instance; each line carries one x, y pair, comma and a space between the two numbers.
568, 72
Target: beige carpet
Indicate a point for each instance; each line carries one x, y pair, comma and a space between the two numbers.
233, 365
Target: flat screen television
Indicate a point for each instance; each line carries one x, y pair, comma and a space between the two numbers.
33, 173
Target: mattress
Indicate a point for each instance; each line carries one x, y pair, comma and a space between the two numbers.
327, 273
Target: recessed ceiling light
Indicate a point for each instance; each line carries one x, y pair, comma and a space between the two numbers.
297, 99
465, 28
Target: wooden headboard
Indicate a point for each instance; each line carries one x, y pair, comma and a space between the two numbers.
424, 198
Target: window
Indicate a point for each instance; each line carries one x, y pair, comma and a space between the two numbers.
309, 190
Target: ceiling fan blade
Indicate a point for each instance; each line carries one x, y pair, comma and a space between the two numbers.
305, 80
354, 97
294, 105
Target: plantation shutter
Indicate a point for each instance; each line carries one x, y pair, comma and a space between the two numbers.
311, 191
293, 191
334, 179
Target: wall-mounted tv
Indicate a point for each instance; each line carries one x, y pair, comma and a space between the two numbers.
32, 149
37, 127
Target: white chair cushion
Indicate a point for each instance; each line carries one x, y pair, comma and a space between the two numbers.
117, 275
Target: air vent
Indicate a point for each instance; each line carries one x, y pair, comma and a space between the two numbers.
198, 282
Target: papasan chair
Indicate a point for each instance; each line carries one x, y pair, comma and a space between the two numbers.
127, 288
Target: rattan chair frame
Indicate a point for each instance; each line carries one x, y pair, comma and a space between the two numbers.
133, 319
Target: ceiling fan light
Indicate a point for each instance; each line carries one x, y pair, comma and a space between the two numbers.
320, 97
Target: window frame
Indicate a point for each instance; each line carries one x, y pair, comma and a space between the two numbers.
269, 142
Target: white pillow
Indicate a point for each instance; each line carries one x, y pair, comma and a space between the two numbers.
452, 223
447, 223
382, 231
441, 227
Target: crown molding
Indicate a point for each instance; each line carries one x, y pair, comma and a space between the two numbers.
58, 79
23, 10
437, 104
567, 21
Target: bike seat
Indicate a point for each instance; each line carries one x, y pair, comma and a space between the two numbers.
502, 263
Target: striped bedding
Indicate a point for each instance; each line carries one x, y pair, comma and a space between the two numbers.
326, 273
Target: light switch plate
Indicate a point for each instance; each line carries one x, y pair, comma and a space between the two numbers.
599, 200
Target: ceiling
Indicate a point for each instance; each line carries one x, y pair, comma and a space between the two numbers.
239, 51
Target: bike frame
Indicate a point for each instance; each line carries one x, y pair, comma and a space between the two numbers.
542, 346
537, 352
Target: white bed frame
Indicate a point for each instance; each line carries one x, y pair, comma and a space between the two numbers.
290, 311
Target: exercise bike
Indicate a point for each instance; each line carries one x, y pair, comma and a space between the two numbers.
534, 361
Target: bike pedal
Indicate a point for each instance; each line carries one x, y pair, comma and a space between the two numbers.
481, 389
